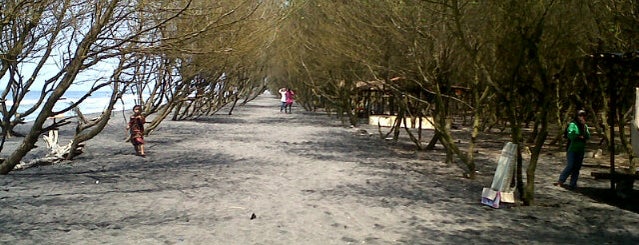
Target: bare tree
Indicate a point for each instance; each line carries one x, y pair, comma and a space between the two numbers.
29, 31
95, 31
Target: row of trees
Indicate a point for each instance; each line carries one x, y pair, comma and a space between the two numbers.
522, 62
188, 57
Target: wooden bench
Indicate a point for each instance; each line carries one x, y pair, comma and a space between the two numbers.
624, 181
617, 175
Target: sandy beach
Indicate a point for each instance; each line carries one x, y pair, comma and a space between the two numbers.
264, 177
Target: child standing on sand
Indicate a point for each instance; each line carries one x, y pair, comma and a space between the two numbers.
136, 129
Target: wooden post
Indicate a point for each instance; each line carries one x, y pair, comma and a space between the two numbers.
612, 89
634, 128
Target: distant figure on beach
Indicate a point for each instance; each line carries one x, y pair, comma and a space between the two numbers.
290, 97
577, 133
283, 92
136, 129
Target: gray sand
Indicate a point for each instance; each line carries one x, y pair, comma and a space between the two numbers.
306, 178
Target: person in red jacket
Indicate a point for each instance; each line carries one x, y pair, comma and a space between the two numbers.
136, 129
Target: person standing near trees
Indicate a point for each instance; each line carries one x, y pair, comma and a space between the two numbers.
290, 97
577, 134
283, 92
136, 129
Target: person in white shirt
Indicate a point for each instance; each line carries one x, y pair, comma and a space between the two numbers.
283, 99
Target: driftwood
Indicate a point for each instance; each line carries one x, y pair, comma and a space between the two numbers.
56, 154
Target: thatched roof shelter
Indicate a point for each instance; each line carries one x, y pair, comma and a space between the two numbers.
375, 85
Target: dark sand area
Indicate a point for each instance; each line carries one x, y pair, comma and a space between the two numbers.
307, 179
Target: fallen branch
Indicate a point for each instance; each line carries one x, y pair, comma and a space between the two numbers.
56, 154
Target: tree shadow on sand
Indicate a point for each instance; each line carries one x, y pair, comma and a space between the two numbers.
103, 180
610, 197
220, 120
451, 212
446, 210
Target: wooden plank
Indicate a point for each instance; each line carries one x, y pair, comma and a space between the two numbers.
604, 166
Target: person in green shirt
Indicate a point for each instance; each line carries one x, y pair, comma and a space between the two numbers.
578, 134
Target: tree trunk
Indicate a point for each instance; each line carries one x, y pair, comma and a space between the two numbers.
72, 70
234, 103
529, 190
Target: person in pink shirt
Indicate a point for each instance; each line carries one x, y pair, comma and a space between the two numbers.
290, 95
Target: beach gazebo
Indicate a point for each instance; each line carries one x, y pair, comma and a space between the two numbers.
613, 67
375, 97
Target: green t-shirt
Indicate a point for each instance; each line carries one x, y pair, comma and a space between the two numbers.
577, 144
